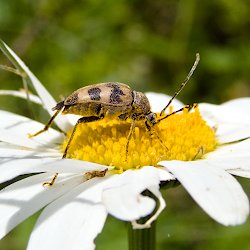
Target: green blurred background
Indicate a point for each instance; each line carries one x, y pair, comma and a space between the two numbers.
150, 45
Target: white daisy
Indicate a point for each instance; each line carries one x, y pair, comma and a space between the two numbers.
76, 207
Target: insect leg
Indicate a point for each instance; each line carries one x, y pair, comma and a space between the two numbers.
47, 126
159, 138
153, 132
51, 183
81, 120
200, 152
131, 130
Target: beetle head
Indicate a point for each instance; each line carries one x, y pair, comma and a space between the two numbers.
151, 119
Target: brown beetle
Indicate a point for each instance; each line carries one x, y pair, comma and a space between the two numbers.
112, 100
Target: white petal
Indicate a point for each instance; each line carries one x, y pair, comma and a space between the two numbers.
159, 101
47, 99
9, 153
21, 94
242, 104
75, 229
23, 198
241, 148
233, 156
77, 218
232, 123
234, 164
69, 166
12, 167
123, 198
216, 191
18, 139
231, 162
224, 114
242, 172
126, 203
227, 133
22, 126
164, 175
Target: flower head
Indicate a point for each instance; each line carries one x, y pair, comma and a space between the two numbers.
203, 158
180, 137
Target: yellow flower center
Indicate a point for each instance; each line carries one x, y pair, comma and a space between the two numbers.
183, 136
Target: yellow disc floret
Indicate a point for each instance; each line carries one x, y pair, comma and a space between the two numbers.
184, 136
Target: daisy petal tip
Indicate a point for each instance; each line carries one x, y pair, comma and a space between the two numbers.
234, 220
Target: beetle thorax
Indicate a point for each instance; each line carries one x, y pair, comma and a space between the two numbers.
141, 106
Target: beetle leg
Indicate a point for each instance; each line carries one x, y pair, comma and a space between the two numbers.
153, 132
131, 130
159, 138
200, 152
47, 126
81, 120
50, 183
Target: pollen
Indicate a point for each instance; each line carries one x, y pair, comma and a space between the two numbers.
184, 136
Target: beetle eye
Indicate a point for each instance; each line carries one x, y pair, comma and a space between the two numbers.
151, 118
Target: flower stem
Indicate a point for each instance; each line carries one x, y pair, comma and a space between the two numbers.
142, 239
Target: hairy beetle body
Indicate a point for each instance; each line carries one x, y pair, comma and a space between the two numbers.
111, 100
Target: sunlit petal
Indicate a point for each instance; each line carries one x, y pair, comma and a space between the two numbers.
224, 114
22, 126
227, 133
233, 149
242, 104
69, 166
77, 218
11, 168
15, 167
215, 190
123, 199
242, 172
23, 198
236, 165
18, 139
10, 153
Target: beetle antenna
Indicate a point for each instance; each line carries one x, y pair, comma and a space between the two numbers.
184, 83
